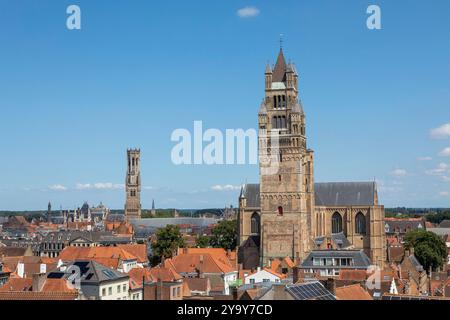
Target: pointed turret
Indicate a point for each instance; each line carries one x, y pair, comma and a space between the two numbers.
279, 72
263, 108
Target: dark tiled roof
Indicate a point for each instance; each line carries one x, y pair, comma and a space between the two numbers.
162, 222
338, 238
279, 72
252, 195
95, 272
345, 193
327, 194
445, 224
360, 259
415, 263
403, 225
341, 239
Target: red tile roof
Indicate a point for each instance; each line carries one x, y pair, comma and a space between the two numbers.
212, 263
137, 250
30, 295
352, 292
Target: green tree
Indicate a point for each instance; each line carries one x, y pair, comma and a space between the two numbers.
224, 235
202, 241
429, 248
438, 217
167, 242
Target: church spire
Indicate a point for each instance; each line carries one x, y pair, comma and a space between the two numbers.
279, 72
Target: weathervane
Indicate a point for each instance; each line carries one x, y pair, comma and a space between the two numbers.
281, 41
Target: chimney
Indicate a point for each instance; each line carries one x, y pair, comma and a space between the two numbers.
295, 274
200, 267
298, 260
330, 284
38, 281
234, 292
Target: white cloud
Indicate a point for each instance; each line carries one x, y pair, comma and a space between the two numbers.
425, 158
227, 187
442, 132
445, 152
99, 186
444, 194
440, 170
248, 12
399, 173
57, 187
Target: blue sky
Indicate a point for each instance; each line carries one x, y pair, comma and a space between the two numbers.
72, 102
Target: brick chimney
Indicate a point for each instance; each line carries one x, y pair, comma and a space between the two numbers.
330, 285
200, 267
234, 292
295, 274
38, 281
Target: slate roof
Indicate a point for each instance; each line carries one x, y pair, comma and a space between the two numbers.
279, 71
331, 194
162, 222
338, 238
393, 225
251, 193
95, 272
440, 231
360, 259
445, 224
345, 194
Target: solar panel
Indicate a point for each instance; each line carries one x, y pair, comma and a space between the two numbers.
310, 291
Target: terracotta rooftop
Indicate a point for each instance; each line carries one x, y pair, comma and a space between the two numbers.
191, 263
30, 295
352, 292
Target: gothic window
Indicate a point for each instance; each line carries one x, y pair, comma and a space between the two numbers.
336, 223
360, 224
274, 102
280, 211
255, 222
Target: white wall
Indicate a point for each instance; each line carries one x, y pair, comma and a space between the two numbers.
110, 291
260, 276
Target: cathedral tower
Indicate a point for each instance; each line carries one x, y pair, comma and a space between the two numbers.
286, 167
133, 184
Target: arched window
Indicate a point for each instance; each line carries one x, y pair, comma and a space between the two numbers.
360, 224
255, 222
280, 211
336, 223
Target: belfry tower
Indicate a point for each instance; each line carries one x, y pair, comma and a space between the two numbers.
286, 167
133, 185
